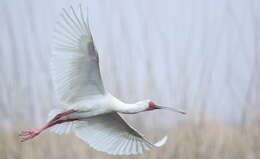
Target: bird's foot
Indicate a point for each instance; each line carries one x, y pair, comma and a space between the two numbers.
29, 134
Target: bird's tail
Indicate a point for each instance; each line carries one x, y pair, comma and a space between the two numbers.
62, 128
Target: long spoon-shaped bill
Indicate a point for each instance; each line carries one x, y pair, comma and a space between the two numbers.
169, 108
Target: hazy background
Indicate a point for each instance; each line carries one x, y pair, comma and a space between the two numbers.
201, 56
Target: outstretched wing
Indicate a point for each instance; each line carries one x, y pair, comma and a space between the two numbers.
110, 133
75, 62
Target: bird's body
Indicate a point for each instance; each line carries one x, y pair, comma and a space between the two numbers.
102, 104
88, 108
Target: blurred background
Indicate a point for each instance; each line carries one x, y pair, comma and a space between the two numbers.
200, 56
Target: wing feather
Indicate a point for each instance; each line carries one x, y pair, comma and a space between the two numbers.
75, 62
127, 144
110, 133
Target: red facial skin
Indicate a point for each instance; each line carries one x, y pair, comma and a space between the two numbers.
151, 105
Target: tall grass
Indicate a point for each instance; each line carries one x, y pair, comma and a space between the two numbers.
189, 140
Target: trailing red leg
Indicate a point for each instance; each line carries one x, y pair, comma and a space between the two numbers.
60, 115
29, 134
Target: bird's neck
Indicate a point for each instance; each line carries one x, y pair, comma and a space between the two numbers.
126, 108
132, 108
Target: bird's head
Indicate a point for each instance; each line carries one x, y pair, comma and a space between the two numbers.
150, 105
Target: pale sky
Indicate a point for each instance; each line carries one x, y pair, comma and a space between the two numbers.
184, 53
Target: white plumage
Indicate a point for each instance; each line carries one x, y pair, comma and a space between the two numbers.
74, 64
89, 109
110, 133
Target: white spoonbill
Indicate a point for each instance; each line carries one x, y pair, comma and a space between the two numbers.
88, 107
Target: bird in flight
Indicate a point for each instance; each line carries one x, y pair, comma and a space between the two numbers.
89, 109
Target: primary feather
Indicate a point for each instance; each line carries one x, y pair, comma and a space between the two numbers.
110, 133
75, 62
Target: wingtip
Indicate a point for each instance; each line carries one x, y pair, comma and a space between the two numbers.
161, 142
